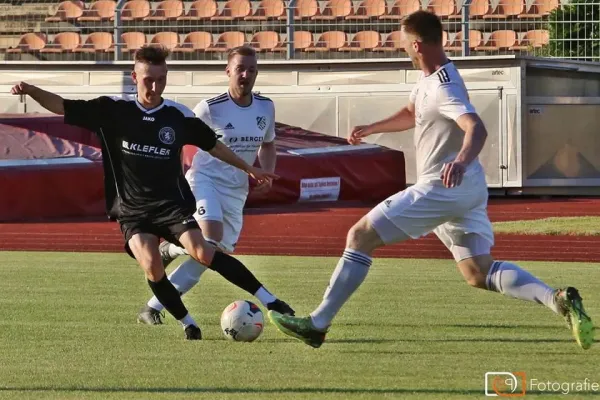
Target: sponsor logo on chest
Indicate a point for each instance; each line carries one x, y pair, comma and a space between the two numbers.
143, 148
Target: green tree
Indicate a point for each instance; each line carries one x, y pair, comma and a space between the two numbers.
575, 31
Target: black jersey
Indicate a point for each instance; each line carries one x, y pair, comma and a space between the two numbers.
141, 151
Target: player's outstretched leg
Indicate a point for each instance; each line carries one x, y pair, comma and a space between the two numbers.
512, 281
349, 274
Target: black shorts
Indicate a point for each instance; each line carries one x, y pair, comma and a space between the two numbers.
169, 227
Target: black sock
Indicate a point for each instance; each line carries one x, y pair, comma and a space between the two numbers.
169, 297
235, 272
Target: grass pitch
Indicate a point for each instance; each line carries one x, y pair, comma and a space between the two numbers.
586, 226
413, 330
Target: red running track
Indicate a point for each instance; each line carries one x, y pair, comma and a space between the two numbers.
314, 231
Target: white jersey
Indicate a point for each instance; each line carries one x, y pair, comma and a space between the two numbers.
439, 100
242, 129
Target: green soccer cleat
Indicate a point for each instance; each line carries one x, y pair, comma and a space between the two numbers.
570, 306
299, 328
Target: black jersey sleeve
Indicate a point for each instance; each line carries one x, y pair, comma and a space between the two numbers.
89, 114
199, 134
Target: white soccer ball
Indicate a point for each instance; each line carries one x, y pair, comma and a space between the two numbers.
242, 321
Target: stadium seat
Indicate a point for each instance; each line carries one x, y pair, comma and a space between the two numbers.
394, 42
96, 42
302, 40
194, 41
334, 9
227, 41
368, 9
507, 8
479, 9
135, 10
540, 9
402, 8
533, 39
363, 41
265, 41
200, 10
168, 39
130, 42
29, 42
234, 9
444, 9
266, 10
67, 10
499, 40
166, 10
100, 10
63, 42
475, 39
305, 9
328, 41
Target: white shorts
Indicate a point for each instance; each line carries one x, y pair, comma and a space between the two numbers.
218, 203
458, 216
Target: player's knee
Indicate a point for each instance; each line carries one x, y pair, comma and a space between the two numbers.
362, 237
473, 273
203, 254
153, 268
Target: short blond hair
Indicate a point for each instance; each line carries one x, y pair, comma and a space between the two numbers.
245, 51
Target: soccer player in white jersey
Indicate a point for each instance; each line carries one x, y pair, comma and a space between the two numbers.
245, 122
449, 198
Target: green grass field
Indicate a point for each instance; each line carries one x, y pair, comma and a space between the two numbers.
587, 226
413, 330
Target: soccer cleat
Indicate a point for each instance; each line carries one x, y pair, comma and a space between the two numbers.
192, 332
570, 305
163, 249
281, 307
150, 316
299, 328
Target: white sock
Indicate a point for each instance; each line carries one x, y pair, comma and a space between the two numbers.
350, 272
187, 321
264, 296
512, 281
176, 251
185, 277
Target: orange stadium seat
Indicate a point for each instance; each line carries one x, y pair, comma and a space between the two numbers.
499, 40
267, 9
100, 10
265, 41
475, 39
334, 9
394, 42
67, 10
302, 40
166, 10
135, 10
200, 10
194, 41
479, 8
402, 8
507, 8
305, 9
540, 9
533, 39
29, 42
368, 9
227, 41
444, 9
331, 40
130, 42
168, 39
96, 42
234, 9
363, 41
63, 42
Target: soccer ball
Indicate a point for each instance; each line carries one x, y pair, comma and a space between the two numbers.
242, 321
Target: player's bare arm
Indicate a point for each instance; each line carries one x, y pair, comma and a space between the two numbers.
50, 101
267, 157
223, 153
475, 136
401, 121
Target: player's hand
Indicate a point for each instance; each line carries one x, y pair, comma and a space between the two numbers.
359, 132
452, 174
264, 187
261, 175
21, 88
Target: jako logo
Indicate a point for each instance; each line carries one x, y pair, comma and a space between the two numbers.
146, 118
497, 72
505, 384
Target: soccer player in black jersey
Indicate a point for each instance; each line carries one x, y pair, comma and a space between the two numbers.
146, 192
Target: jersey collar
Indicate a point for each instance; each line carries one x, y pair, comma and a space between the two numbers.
237, 105
151, 110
